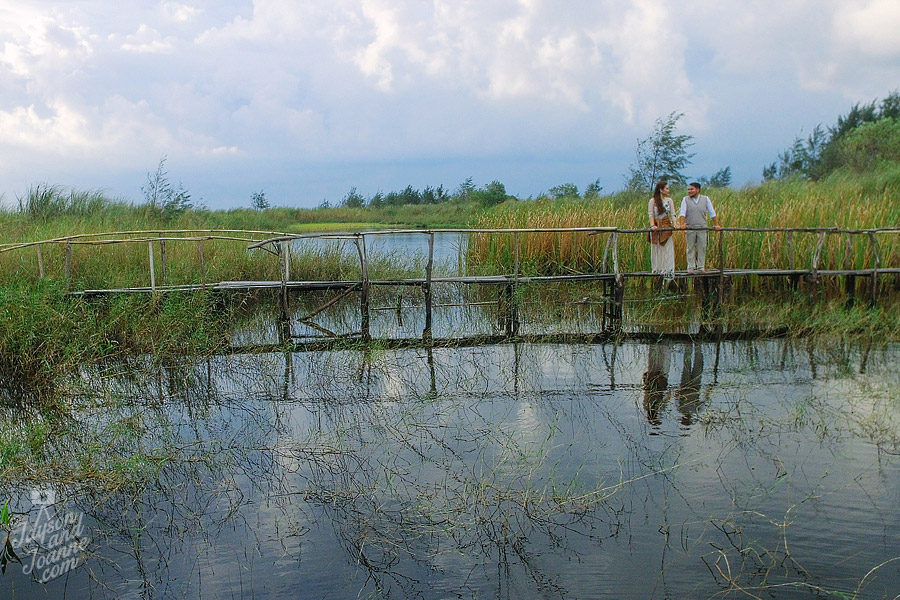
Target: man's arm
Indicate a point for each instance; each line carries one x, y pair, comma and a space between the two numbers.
712, 213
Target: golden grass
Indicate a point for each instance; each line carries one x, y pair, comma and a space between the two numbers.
843, 201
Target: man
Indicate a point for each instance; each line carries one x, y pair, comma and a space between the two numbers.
695, 209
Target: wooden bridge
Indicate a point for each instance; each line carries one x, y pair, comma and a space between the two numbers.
711, 284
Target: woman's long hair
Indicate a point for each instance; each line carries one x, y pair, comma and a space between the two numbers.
657, 196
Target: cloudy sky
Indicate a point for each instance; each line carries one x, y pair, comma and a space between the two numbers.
304, 99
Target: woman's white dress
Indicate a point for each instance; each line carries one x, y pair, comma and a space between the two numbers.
662, 257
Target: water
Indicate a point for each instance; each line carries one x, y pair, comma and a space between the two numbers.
448, 252
741, 469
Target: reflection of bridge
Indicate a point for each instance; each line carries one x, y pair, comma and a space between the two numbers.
773, 254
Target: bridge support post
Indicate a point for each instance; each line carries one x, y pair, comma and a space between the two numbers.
850, 290
614, 299
69, 264
284, 258
152, 267
364, 287
873, 298
426, 289
509, 310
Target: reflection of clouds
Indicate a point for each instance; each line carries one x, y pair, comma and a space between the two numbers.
527, 418
358, 459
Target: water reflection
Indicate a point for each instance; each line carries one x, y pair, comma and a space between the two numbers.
656, 380
505, 471
688, 393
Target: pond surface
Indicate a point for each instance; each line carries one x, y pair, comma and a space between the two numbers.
765, 469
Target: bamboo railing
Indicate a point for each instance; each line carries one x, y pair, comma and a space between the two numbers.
610, 265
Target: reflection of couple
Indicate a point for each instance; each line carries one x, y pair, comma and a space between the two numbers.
688, 393
656, 382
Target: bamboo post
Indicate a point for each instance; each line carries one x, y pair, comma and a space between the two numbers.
790, 245
202, 262
606, 252
850, 278
429, 266
721, 266
284, 273
517, 249
364, 287
619, 304
513, 307
162, 258
814, 268
152, 267
40, 257
287, 260
794, 279
877, 263
615, 252
68, 264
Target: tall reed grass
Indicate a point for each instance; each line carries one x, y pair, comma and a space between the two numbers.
845, 200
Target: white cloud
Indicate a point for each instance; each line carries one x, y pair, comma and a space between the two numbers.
364, 80
147, 40
177, 11
870, 26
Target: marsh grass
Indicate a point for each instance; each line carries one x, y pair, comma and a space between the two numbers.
845, 200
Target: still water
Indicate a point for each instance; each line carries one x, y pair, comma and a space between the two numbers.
764, 469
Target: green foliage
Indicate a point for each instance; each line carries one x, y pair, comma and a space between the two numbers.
720, 179
353, 199
661, 155
162, 197
804, 157
492, 194
465, 190
564, 190
824, 151
592, 192
258, 200
864, 147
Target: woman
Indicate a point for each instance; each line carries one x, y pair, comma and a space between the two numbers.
661, 211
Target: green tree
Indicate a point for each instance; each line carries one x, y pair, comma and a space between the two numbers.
465, 190
592, 191
493, 193
258, 200
720, 179
160, 195
353, 199
662, 155
564, 190
377, 201
823, 152
157, 188
869, 144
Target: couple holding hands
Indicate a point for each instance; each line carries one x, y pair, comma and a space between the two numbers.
695, 210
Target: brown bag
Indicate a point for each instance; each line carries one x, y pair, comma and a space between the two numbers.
661, 237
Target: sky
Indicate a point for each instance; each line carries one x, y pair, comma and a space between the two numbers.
306, 99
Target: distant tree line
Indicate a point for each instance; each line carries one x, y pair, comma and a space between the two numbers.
867, 135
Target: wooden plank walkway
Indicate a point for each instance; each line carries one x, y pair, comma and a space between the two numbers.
310, 286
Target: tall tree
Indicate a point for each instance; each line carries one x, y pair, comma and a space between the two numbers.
662, 155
